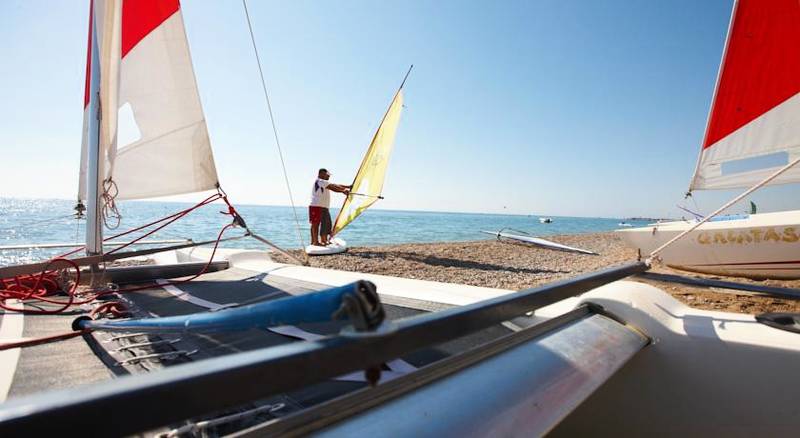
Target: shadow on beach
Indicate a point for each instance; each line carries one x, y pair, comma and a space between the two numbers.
451, 262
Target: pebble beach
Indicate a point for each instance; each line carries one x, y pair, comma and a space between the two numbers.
503, 265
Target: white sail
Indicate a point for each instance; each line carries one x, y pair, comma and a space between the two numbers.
754, 122
160, 145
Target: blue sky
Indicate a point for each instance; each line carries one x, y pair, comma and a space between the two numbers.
586, 108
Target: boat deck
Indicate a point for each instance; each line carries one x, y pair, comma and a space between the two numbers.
104, 355
620, 359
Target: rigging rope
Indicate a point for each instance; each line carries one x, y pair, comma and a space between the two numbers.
39, 222
33, 288
274, 127
45, 286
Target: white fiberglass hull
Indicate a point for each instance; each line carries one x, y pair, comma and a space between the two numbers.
674, 386
760, 246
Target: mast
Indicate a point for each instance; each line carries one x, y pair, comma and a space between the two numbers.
94, 223
404, 79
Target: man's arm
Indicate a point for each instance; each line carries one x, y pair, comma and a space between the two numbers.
339, 188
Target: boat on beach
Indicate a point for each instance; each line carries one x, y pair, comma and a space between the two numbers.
752, 140
203, 340
760, 246
517, 236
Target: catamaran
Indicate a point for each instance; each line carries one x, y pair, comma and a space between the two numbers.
258, 348
752, 139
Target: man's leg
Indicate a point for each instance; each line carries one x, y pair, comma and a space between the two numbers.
313, 218
325, 230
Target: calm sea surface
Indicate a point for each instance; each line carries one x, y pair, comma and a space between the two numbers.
46, 221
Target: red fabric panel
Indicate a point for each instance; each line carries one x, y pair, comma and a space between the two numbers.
761, 67
89, 57
140, 17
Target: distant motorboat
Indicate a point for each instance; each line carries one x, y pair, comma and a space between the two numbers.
545, 220
624, 224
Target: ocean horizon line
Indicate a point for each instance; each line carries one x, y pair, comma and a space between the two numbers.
155, 201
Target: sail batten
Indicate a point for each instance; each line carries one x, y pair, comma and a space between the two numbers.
756, 107
368, 183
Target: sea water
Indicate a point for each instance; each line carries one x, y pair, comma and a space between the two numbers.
29, 221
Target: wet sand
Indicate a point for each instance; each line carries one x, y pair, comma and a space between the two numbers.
490, 263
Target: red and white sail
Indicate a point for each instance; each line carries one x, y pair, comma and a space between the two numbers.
755, 111
153, 136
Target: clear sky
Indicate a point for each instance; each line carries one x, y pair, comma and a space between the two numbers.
558, 107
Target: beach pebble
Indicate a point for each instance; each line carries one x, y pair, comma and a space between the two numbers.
502, 265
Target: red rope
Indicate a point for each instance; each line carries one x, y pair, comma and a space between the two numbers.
176, 282
33, 289
170, 219
116, 309
40, 288
23, 290
42, 340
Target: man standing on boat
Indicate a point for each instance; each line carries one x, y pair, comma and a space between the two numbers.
318, 213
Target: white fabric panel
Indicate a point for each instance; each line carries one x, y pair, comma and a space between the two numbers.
174, 154
776, 130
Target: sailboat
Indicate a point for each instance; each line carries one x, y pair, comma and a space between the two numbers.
367, 185
260, 348
752, 139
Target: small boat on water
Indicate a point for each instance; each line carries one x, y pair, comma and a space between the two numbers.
752, 139
259, 348
545, 220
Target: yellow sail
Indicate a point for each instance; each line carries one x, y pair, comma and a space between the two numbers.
368, 183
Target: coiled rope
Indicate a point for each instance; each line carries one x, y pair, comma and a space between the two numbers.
111, 215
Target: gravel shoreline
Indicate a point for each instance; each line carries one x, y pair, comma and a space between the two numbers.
503, 265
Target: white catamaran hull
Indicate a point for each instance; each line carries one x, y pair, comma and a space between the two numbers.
673, 386
760, 246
